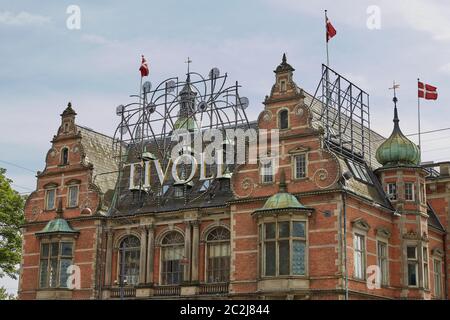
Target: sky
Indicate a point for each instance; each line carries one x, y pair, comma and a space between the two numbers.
45, 62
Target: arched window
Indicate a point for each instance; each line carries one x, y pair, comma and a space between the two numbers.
130, 248
283, 119
172, 254
218, 255
65, 156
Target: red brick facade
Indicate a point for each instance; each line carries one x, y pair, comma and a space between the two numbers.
336, 211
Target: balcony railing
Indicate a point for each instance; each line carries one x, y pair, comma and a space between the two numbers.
214, 288
127, 292
167, 291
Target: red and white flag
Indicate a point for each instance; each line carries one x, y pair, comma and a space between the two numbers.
427, 91
331, 31
144, 67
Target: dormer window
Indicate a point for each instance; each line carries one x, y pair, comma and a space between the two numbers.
64, 156
283, 119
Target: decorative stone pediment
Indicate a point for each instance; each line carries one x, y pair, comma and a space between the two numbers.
299, 149
414, 235
383, 232
361, 223
437, 252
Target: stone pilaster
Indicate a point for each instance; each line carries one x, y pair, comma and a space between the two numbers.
187, 253
150, 254
195, 248
143, 255
109, 252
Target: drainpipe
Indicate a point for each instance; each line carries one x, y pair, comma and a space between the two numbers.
344, 212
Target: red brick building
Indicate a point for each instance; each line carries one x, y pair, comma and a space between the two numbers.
316, 228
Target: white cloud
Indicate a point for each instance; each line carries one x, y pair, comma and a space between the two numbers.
22, 18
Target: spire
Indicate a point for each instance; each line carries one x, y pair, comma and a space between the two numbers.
395, 100
284, 66
282, 181
68, 111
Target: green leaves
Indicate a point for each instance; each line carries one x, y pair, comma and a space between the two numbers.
11, 218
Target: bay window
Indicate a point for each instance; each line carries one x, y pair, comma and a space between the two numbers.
55, 259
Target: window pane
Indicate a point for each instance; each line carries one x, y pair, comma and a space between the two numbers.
283, 257
298, 229
55, 249
411, 252
298, 257
63, 275
45, 250
270, 231
412, 274
44, 273
300, 166
284, 119
283, 229
270, 258
66, 249
53, 271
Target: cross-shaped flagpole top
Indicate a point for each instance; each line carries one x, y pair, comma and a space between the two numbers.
394, 86
188, 63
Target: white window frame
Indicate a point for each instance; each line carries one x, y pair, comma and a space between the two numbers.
54, 198
393, 196
414, 261
425, 268
265, 168
69, 192
295, 156
384, 273
412, 191
437, 277
362, 251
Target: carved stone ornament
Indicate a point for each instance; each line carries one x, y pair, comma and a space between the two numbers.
360, 223
383, 232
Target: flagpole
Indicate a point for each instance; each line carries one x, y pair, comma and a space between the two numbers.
418, 120
326, 38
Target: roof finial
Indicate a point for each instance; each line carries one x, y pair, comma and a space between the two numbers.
395, 100
59, 209
284, 57
188, 61
282, 181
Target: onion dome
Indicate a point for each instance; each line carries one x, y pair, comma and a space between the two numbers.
398, 149
282, 200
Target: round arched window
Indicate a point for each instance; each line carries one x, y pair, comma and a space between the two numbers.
129, 250
218, 255
172, 256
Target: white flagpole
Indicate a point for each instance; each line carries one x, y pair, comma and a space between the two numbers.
326, 37
418, 120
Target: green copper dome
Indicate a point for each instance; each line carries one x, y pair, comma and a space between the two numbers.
186, 123
397, 149
58, 225
282, 199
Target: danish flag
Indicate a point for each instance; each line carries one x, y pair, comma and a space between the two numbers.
331, 31
427, 91
144, 67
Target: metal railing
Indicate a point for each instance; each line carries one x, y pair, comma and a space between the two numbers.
127, 292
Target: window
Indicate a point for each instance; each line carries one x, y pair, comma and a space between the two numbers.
172, 248
359, 171
409, 191
218, 255
425, 268
437, 278
65, 156
382, 255
283, 116
300, 166
422, 193
129, 255
73, 196
55, 258
392, 191
283, 85
411, 253
359, 256
179, 191
284, 248
50, 199
267, 172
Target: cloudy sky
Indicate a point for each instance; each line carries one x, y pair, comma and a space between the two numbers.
44, 64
